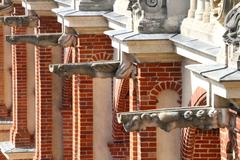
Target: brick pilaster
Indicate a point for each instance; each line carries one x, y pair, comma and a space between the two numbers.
67, 116
3, 108
19, 132
90, 48
43, 92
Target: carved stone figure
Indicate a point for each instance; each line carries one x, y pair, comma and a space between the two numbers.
150, 16
6, 7
68, 40
232, 25
220, 8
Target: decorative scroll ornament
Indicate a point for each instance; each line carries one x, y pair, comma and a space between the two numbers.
151, 3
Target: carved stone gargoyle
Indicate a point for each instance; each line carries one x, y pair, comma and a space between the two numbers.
102, 69
19, 21
43, 40
150, 16
169, 119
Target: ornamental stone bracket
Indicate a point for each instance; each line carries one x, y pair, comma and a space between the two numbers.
151, 16
20, 21
169, 119
102, 69
44, 40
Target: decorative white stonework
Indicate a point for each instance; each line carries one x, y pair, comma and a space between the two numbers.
144, 47
41, 7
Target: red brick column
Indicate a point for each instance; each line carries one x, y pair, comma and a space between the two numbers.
3, 108
152, 78
19, 133
43, 92
90, 48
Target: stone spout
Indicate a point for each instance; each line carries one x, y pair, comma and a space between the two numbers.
169, 119
101, 69
43, 40
19, 21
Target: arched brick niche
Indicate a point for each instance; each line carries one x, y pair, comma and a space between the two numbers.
167, 85
120, 146
196, 143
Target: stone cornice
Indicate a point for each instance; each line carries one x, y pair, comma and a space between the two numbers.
145, 47
84, 22
41, 7
169, 119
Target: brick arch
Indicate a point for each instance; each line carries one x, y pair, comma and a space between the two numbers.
120, 146
168, 85
199, 97
102, 56
194, 142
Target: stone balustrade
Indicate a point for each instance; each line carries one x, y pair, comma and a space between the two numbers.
204, 10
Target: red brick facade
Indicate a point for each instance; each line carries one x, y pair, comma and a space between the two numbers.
77, 109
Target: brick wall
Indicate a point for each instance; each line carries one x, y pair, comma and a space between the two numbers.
200, 144
19, 133
43, 91
152, 78
90, 48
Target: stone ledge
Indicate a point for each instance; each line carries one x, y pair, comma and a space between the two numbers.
195, 49
41, 7
5, 125
202, 117
145, 47
12, 153
94, 22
